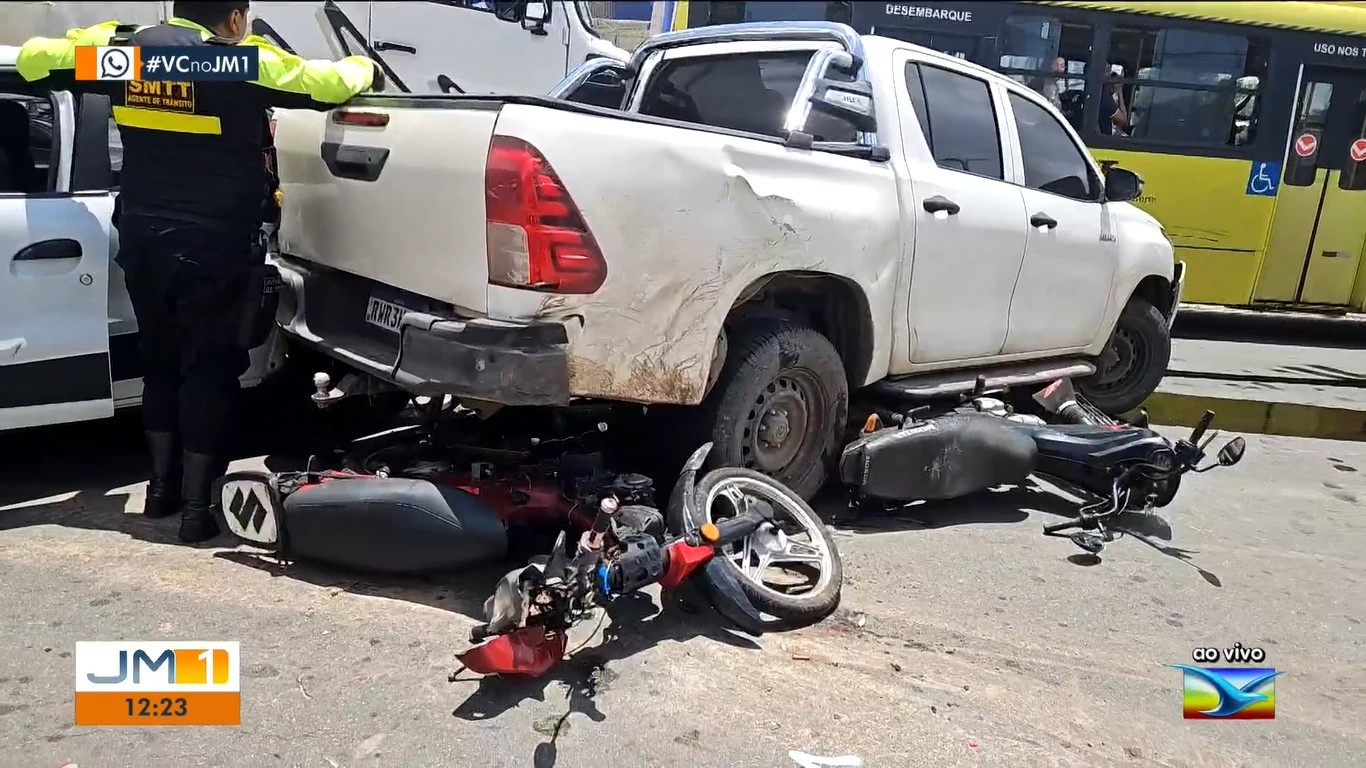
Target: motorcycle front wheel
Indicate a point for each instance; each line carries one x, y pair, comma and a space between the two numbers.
792, 571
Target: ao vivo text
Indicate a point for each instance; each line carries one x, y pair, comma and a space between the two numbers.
1237, 654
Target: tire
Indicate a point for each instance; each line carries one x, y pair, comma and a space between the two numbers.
1142, 345
795, 369
789, 611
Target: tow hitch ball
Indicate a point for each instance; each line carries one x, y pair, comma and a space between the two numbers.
326, 394
351, 384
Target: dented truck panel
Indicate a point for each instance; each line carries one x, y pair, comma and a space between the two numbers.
687, 220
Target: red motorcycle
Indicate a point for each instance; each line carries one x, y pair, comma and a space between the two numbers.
532, 608
609, 540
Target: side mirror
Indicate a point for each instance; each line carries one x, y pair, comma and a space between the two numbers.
1232, 452
852, 101
534, 17
1122, 185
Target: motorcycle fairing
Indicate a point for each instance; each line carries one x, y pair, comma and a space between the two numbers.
526, 651
251, 503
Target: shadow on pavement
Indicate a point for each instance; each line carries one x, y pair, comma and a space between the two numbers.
1007, 505
637, 624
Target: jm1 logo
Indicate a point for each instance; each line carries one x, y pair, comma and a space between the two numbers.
178, 666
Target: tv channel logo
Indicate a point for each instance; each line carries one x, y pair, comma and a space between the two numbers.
1228, 693
158, 683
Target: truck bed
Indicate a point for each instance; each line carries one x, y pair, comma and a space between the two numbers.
686, 218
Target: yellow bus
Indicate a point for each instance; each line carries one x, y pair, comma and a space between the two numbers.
1246, 120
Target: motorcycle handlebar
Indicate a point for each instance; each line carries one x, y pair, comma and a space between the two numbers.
735, 528
1056, 527
1200, 428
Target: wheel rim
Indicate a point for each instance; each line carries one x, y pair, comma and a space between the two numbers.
780, 424
1126, 354
775, 559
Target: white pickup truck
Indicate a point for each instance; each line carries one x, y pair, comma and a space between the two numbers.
754, 219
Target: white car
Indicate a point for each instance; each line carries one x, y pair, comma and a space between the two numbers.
755, 219
68, 337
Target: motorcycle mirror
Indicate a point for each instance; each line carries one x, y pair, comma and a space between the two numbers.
1232, 452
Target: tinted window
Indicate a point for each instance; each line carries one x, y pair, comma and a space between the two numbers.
1052, 161
747, 92
956, 116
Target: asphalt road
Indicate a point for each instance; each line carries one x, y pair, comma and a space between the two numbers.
964, 638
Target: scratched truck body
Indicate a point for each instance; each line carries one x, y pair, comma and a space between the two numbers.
754, 219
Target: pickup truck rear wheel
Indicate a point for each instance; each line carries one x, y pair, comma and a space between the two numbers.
780, 404
1133, 361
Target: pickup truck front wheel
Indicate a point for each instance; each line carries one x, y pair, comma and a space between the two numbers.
780, 404
1133, 362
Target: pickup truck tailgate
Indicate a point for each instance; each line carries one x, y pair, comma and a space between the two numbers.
385, 201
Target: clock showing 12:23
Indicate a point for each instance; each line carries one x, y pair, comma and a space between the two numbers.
154, 707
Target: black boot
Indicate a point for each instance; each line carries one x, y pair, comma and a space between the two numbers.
197, 521
163, 487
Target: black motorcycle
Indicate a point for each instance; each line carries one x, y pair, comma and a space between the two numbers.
1121, 466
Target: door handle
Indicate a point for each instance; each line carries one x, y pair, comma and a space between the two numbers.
940, 203
349, 161
48, 250
1043, 220
385, 45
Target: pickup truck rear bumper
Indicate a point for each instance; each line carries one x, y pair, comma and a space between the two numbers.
434, 352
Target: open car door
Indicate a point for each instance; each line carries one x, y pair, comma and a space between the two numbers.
55, 252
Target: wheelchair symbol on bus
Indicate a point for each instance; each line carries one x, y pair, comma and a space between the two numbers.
1263, 179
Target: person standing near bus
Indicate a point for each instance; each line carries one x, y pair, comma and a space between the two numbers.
189, 217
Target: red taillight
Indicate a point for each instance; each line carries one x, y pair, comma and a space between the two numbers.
272, 129
367, 118
537, 238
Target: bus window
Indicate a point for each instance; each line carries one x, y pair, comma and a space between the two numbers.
1050, 56
1189, 87
1354, 172
1311, 117
734, 13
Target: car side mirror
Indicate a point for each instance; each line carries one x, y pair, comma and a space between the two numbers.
1232, 452
534, 17
852, 101
1122, 185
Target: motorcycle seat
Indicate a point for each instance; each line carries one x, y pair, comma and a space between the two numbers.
392, 525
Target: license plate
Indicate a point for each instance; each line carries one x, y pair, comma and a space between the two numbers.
249, 509
384, 314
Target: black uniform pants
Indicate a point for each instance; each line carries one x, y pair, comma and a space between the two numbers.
187, 284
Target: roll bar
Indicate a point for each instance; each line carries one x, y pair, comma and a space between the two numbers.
850, 59
820, 31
